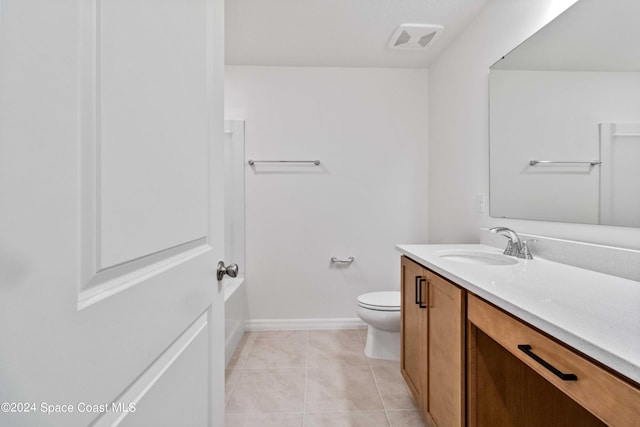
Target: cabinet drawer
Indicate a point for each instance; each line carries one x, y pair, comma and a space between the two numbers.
611, 399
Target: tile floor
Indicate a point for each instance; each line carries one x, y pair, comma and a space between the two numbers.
314, 379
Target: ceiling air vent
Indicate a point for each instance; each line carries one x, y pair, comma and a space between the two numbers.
414, 36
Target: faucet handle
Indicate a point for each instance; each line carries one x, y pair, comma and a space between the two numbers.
511, 248
525, 253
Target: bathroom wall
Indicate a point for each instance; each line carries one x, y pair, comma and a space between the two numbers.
458, 129
368, 128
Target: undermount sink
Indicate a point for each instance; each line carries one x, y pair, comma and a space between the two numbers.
476, 257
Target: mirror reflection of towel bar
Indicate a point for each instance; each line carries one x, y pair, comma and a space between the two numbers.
626, 134
349, 260
546, 162
253, 162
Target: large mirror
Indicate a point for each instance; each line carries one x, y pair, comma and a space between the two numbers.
565, 119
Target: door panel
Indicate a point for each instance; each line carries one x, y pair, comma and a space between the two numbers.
156, 403
446, 352
152, 126
110, 172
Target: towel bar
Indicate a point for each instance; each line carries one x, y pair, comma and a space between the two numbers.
349, 260
537, 162
253, 162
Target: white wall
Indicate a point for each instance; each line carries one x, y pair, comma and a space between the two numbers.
368, 127
458, 129
234, 227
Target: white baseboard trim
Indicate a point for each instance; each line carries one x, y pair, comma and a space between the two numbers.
303, 324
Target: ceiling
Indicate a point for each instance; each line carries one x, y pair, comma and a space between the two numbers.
337, 33
592, 35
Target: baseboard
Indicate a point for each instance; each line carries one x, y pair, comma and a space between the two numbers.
303, 324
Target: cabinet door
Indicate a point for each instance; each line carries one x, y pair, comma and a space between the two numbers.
446, 352
414, 328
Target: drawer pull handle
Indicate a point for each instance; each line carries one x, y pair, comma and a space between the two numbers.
422, 280
526, 348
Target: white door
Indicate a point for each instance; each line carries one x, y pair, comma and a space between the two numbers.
111, 131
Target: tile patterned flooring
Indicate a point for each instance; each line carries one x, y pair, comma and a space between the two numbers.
314, 379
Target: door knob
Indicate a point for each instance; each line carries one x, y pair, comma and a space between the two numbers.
230, 270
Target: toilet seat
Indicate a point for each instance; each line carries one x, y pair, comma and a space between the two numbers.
380, 301
381, 312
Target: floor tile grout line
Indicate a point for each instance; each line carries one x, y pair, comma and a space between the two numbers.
306, 379
268, 413
347, 411
272, 368
239, 367
227, 397
384, 406
250, 342
375, 380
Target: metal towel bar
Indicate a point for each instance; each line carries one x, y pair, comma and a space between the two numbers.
537, 162
253, 162
349, 260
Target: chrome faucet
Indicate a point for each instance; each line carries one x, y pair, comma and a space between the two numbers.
515, 246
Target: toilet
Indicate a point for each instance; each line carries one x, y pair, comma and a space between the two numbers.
381, 311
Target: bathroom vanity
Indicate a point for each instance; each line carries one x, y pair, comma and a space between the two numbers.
490, 340
432, 330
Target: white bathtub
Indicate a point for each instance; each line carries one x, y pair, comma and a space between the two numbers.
235, 313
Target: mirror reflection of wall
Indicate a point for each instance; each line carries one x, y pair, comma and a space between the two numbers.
567, 96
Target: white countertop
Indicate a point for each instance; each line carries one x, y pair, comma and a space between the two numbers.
595, 313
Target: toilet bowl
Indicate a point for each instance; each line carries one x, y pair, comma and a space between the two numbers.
381, 312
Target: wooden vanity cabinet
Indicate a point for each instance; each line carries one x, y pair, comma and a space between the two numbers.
469, 363
413, 328
517, 376
432, 344
446, 394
